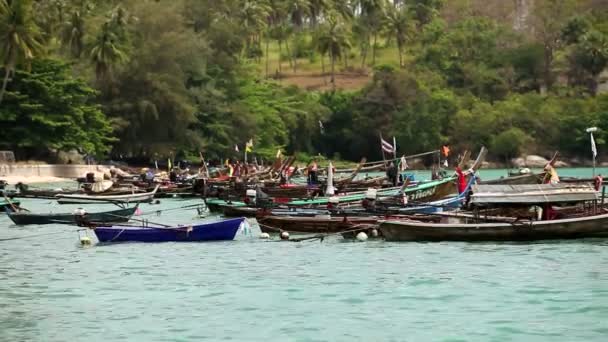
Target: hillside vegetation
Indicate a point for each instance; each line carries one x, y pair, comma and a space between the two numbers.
174, 78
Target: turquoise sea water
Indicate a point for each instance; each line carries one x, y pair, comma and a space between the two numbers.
52, 289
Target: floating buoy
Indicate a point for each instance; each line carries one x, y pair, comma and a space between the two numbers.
374, 232
284, 236
85, 240
361, 236
80, 212
264, 236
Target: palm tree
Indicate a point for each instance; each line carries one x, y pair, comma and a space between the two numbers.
73, 33
254, 18
19, 37
298, 10
372, 14
106, 53
333, 41
317, 7
397, 25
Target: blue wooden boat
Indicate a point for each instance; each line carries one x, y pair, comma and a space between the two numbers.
212, 231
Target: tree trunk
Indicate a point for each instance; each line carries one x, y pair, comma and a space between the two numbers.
288, 53
280, 54
374, 48
267, 56
548, 79
7, 73
295, 60
323, 67
345, 61
259, 48
593, 85
400, 50
364, 52
333, 72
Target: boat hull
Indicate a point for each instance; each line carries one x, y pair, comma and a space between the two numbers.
115, 216
312, 225
4, 205
571, 228
213, 231
89, 199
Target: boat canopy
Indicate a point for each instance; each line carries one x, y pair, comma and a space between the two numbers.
532, 193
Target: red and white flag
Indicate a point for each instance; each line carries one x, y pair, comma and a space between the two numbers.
386, 146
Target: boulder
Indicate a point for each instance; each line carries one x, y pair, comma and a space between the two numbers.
518, 162
536, 161
490, 165
70, 157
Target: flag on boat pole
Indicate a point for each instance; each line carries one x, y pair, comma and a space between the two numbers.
386, 146
590, 130
403, 164
445, 151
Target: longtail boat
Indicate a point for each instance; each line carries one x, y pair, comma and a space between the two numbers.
114, 216
542, 216
209, 231
86, 199
422, 192
7, 205
314, 224
25, 191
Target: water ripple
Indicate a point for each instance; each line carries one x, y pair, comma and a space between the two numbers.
332, 291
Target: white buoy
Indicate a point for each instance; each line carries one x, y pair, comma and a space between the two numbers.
80, 212
361, 236
85, 240
374, 233
264, 236
284, 236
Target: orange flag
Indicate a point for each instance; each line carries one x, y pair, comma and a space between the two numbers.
445, 150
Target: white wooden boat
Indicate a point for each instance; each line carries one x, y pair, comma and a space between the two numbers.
87, 199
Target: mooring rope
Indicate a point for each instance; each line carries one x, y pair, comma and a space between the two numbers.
36, 235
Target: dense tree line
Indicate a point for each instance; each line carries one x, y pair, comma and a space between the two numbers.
152, 78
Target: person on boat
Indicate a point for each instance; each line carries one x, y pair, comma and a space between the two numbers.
368, 204
148, 176
462, 180
312, 172
392, 173
173, 175
598, 182
230, 168
551, 176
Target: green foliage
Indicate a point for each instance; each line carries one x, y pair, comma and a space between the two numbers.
19, 37
182, 77
510, 143
48, 109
